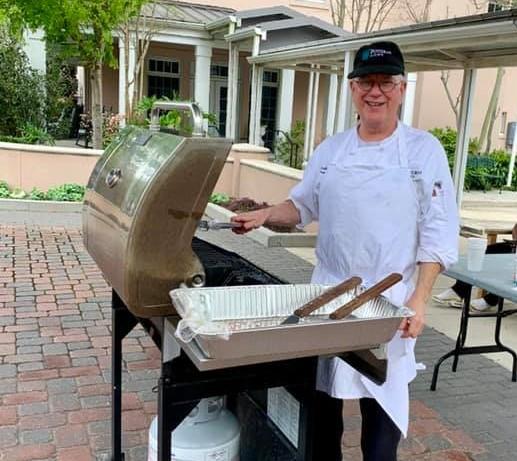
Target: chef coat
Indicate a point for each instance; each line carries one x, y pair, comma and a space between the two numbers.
382, 207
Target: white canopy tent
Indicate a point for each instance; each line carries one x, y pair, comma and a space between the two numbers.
467, 43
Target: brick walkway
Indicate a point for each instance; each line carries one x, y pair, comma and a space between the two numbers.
55, 365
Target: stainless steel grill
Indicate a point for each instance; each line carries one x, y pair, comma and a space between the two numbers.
143, 203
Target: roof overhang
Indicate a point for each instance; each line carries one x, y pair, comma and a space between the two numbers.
488, 40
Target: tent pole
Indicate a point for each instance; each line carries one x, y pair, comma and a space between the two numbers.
462, 142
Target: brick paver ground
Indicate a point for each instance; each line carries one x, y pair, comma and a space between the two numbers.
55, 364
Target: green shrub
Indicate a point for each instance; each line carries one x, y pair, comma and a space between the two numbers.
289, 146
66, 193
5, 191
478, 177
21, 88
219, 198
447, 137
37, 194
63, 193
15, 139
32, 134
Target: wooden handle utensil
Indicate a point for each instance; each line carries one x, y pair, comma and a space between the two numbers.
327, 296
366, 296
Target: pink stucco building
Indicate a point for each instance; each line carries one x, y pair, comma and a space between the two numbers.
191, 57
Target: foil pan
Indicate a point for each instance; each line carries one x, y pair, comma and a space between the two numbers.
253, 317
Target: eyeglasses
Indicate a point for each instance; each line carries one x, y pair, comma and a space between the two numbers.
384, 85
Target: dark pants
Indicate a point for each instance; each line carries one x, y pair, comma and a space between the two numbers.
462, 288
379, 435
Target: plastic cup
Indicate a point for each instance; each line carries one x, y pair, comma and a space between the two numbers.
476, 248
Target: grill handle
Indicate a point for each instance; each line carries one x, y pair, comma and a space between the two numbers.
197, 114
366, 296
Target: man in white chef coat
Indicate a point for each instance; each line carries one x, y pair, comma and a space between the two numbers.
384, 199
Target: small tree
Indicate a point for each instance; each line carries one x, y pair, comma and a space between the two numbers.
21, 88
138, 30
363, 15
84, 28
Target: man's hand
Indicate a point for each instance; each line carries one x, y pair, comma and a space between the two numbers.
251, 220
411, 327
427, 274
283, 214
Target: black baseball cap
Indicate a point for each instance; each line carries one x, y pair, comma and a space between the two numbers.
378, 58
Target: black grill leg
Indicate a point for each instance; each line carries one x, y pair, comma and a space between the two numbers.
122, 323
170, 414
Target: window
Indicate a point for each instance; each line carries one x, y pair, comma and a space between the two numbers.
218, 71
269, 105
163, 77
271, 76
504, 120
497, 6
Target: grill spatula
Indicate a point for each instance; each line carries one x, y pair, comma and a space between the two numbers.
366, 296
321, 300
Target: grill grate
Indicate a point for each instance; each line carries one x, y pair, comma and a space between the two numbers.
224, 268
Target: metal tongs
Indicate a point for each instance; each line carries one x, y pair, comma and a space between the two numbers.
366, 296
338, 290
321, 300
206, 225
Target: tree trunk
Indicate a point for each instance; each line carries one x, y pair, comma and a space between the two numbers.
488, 122
97, 105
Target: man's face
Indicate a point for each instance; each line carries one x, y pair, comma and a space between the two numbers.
377, 98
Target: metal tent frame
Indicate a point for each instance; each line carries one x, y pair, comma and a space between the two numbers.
466, 43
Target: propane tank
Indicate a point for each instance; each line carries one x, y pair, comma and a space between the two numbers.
209, 432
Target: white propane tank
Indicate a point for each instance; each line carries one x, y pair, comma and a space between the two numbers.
209, 433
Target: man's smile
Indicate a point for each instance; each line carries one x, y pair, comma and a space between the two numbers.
374, 103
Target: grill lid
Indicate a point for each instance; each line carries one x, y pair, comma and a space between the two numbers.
142, 206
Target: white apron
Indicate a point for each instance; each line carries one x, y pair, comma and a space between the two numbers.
368, 227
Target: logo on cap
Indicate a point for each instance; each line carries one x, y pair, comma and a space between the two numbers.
374, 53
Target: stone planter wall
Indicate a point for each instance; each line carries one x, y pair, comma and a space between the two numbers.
26, 166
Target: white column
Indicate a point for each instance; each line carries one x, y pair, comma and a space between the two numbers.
308, 118
80, 76
286, 100
331, 104
121, 77
344, 114
131, 66
409, 100
462, 143
257, 79
232, 124
512, 160
314, 117
203, 55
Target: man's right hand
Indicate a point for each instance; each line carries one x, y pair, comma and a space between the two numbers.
250, 220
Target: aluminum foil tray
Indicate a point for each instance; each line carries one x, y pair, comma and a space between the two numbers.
253, 315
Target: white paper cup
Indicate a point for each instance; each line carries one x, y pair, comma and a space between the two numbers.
476, 248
